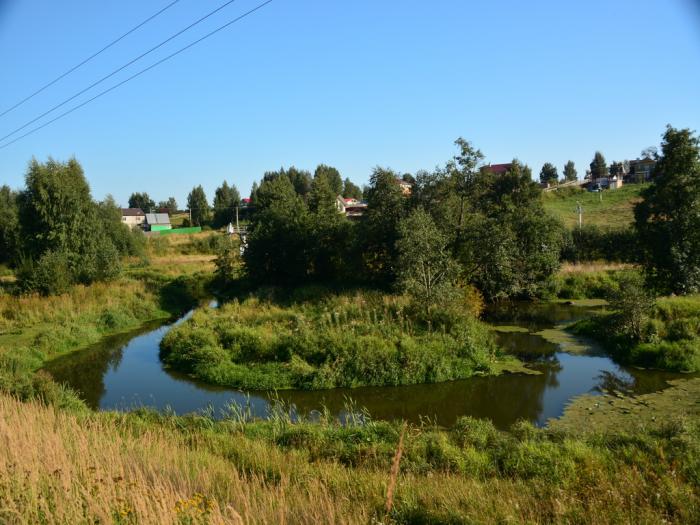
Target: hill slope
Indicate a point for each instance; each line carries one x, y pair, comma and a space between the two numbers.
608, 209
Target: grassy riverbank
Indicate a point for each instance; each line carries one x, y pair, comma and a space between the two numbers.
77, 467
325, 340
669, 339
35, 329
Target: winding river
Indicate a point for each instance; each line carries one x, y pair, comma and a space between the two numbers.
124, 371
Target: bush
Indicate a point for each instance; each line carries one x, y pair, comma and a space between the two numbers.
592, 243
50, 275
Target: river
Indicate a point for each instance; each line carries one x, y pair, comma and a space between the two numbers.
124, 371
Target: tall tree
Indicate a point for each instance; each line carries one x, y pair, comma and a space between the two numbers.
329, 230
464, 171
386, 206
425, 267
616, 169
599, 168
351, 190
9, 225
333, 176
61, 230
226, 200
278, 242
143, 201
170, 205
549, 174
198, 206
667, 219
570, 173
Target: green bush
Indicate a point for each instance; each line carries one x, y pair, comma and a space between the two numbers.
334, 341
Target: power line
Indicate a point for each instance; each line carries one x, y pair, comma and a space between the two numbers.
18, 104
118, 69
247, 13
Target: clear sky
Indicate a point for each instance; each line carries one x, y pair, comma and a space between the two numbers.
354, 84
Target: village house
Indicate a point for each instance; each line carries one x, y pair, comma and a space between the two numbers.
640, 170
158, 222
133, 217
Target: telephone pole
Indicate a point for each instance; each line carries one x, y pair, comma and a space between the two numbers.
579, 210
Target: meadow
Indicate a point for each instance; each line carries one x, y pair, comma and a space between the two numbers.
612, 209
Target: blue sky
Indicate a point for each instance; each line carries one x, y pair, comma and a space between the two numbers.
353, 84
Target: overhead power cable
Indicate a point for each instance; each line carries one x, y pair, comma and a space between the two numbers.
130, 62
105, 48
212, 33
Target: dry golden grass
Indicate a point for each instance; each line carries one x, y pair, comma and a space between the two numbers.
58, 468
593, 267
105, 468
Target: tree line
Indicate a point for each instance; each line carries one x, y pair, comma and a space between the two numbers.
462, 225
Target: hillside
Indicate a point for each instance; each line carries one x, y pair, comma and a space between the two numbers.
609, 209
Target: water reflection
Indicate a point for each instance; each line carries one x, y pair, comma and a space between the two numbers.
124, 371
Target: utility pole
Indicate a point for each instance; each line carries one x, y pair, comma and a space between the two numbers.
238, 228
579, 210
190, 210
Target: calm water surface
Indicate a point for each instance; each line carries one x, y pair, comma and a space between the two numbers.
125, 371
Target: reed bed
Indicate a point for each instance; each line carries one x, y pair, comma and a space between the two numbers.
60, 467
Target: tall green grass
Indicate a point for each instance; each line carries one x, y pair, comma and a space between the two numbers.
670, 338
338, 340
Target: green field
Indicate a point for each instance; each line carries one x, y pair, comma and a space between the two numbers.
608, 209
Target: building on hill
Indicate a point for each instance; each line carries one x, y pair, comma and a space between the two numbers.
133, 217
158, 222
641, 170
497, 169
351, 208
406, 186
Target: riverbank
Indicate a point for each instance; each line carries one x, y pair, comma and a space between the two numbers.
35, 329
151, 468
323, 339
668, 339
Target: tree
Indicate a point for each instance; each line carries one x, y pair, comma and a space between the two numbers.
351, 191
667, 219
226, 200
9, 225
386, 206
170, 205
464, 171
599, 168
570, 173
511, 245
143, 201
329, 230
549, 174
198, 206
652, 152
63, 236
278, 248
333, 176
617, 169
426, 269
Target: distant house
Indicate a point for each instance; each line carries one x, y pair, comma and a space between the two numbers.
497, 169
640, 170
158, 222
406, 187
351, 208
133, 217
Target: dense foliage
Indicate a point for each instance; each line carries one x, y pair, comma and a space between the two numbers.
226, 199
661, 334
335, 341
668, 221
492, 226
56, 235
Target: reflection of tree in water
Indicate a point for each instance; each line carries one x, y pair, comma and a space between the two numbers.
503, 399
535, 316
609, 382
84, 371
